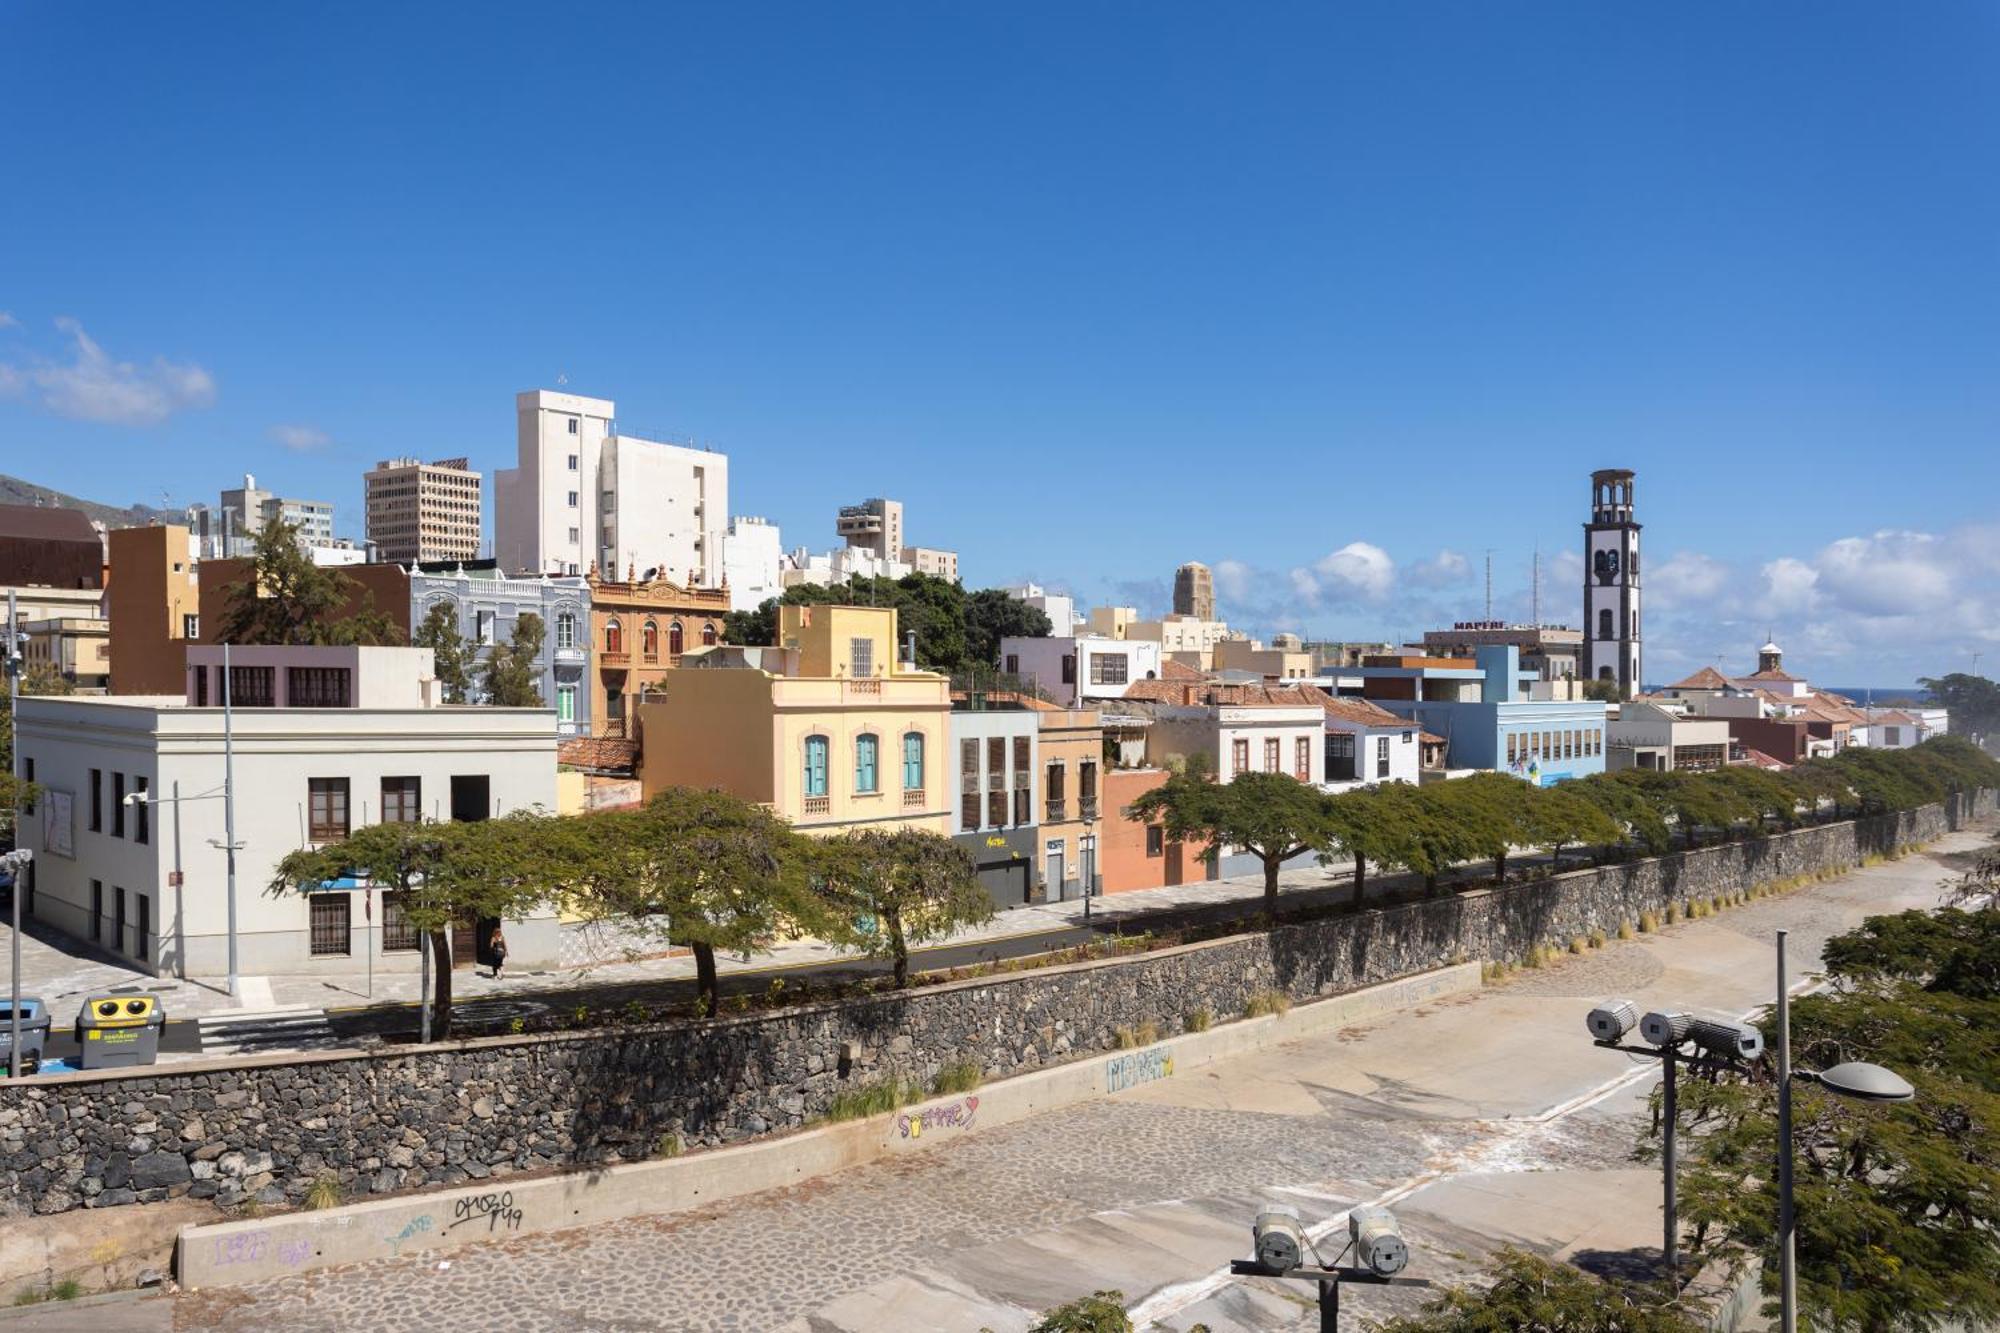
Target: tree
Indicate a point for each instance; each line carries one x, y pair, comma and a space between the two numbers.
911, 886
1099, 1312
39, 679
1898, 1204
443, 873
513, 675
1523, 1291
287, 599
1561, 816
1602, 692
1974, 702
452, 655
991, 615
704, 869
1273, 816
1492, 811
1362, 826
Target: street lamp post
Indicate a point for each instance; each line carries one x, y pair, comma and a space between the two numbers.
146, 798
14, 863
19, 858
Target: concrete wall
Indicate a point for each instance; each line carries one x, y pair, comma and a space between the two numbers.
471, 1111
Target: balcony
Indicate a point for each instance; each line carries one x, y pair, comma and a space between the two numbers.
569, 657
618, 659
913, 798
1058, 812
870, 688
818, 805
1087, 808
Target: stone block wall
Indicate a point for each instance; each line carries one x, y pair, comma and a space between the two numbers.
382, 1122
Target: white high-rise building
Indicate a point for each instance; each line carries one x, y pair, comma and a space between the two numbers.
753, 558
582, 494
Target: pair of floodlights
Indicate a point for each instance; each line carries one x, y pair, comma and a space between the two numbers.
1372, 1234
1670, 1029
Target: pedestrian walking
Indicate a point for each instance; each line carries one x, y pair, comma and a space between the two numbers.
496, 948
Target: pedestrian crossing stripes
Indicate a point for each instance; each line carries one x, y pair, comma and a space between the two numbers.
295, 1028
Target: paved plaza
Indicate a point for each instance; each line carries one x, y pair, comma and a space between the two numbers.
1486, 1119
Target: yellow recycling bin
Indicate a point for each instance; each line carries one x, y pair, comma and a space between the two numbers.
114, 1031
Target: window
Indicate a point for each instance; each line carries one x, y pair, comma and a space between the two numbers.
565, 703
190, 625
1239, 756
565, 629
252, 687
867, 775
573, 540
676, 640
614, 636
913, 761
649, 641
1012, 664
1069, 669
482, 622
1381, 757
1109, 669
708, 634
117, 805
860, 657
968, 784
326, 809
1302, 761
572, 430
606, 501
97, 911
397, 932
1635, 624
1272, 751
816, 754
331, 934
402, 800
317, 687
142, 812
1086, 789
28, 776
97, 800
1052, 785
572, 499
1339, 756
201, 687
1156, 840
1513, 748
1604, 624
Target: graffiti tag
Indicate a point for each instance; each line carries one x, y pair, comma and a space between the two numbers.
414, 1227
496, 1210
951, 1115
250, 1247
1129, 1071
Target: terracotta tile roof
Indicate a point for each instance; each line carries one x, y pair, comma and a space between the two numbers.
1708, 678
1761, 760
1432, 740
1893, 719
1837, 698
598, 754
1772, 675
1360, 711
1172, 670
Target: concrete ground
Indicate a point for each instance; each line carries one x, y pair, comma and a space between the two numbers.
1484, 1120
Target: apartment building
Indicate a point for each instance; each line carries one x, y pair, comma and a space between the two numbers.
585, 496
487, 605
639, 629
1070, 751
829, 729
128, 828
995, 758
153, 606
1075, 670
876, 526
245, 509
420, 511
42, 546
77, 648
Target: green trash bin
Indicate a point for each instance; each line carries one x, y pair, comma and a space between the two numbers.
117, 1031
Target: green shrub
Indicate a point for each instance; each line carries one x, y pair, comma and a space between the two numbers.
1597, 940
1624, 930
876, 1098
1649, 922
670, 1144
324, 1192
958, 1076
1265, 1002
1198, 1020
1100, 1312
1578, 944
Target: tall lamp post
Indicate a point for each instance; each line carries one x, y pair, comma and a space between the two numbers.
14, 863
18, 859
146, 798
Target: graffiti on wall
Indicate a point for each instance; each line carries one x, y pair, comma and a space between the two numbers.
1130, 1070
951, 1115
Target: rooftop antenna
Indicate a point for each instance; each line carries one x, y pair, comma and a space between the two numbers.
561, 378
1489, 583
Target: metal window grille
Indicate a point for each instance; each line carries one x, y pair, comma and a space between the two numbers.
397, 930
330, 930
252, 687
318, 687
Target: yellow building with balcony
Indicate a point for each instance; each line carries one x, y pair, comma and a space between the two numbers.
828, 728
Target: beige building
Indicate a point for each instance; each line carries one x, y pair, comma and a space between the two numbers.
828, 728
1184, 639
1194, 591
1285, 659
423, 511
929, 560
153, 607
1071, 745
77, 648
876, 526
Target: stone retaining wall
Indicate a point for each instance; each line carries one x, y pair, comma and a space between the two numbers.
382, 1122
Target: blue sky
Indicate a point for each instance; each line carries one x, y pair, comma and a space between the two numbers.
1336, 298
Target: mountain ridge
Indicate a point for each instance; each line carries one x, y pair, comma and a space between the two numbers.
16, 491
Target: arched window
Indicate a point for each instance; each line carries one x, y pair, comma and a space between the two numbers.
614, 636
565, 629
1605, 628
676, 639
1604, 673
815, 766
867, 766
913, 761
649, 641
708, 634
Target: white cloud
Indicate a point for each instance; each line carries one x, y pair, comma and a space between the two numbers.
1789, 586
7, 321
1440, 571
1233, 580
1685, 578
93, 387
298, 438
1890, 573
1357, 571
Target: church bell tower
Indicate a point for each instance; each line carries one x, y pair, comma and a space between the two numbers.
1611, 584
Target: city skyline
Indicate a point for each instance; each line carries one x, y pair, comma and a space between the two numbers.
1450, 270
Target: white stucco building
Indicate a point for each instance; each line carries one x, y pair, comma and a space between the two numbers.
1060, 608
582, 494
1072, 669
1243, 738
753, 562
325, 740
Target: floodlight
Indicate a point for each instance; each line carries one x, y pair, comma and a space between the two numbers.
1865, 1082
1666, 1027
1612, 1019
1378, 1241
1278, 1240
1727, 1037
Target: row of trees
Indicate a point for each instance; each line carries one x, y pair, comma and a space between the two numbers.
701, 870
957, 631
1489, 816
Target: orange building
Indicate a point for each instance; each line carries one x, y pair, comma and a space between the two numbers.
153, 605
1139, 855
639, 629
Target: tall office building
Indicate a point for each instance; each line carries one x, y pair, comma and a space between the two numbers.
245, 510
423, 511
1194, 591
876, 526
1611, 584
583, 495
